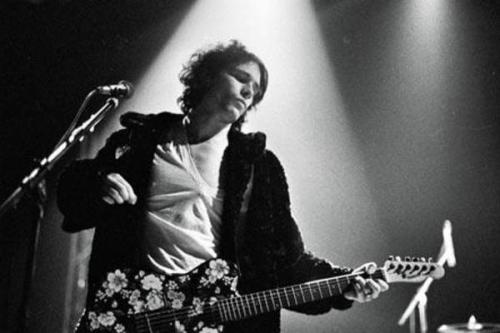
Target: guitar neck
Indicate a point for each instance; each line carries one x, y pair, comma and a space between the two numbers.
261, 302
233, 308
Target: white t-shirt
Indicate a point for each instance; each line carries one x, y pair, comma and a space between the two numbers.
184, 205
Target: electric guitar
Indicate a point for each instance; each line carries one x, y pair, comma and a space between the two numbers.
205, 298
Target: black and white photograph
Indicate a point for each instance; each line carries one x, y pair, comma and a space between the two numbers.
249, 166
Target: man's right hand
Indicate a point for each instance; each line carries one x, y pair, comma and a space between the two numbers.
116, 190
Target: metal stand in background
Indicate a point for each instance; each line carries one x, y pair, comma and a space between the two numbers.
39, 195
34, 185
419, 300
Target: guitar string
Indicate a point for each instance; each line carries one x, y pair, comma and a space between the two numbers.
259, 295
161, 321
163, 317
240, 302
164, 321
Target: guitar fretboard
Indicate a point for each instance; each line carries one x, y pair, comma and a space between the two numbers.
253, 304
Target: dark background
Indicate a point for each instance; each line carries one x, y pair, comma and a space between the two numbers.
421, 167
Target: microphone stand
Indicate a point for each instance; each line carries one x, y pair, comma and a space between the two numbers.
35, 180
420, 298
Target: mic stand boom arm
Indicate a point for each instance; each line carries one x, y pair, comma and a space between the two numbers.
37, 175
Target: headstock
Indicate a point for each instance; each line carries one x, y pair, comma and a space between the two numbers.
411, 269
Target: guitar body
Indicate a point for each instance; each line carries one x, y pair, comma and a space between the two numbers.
128, 300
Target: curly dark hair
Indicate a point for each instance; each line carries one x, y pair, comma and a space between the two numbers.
204, 66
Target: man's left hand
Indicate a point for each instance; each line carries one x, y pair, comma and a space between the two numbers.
365, 290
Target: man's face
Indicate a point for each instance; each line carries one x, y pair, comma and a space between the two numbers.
234, 91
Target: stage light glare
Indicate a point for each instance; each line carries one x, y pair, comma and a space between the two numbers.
302, 97
302, 113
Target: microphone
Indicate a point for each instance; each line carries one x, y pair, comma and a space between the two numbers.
123, 89
449, 251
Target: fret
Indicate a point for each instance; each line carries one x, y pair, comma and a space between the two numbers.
260, 303
330, 293
231, 315
237, 307
278, 294
223, 316
294, 297
232, 309
286, 296
265, 301
320, 293
302, 293
338, 286
253, 302
249, 307
272, 300
226, 308
240, 307
311, 291
149, 324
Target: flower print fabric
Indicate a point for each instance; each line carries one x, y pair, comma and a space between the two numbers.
127, 294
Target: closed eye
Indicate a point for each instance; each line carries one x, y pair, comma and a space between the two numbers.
245, 78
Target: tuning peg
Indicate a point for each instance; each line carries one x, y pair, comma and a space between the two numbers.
391, 258
407, 258
397, 258
413, 269
429, 259
415, 259
422, 259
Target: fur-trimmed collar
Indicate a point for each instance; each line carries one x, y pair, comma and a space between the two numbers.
249, 146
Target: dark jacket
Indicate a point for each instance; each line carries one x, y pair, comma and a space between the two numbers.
268, 248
